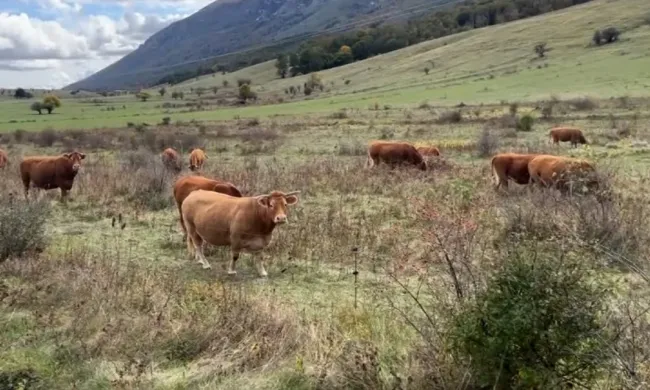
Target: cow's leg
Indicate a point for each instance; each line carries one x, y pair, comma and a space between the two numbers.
196, 242
259, 263
64, 195
233, 260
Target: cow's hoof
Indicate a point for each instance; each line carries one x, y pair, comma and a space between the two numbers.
232, 272
263, 275
206, 266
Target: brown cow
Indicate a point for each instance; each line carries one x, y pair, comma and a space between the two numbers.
567, 134
185, 185
50, 172
197, 159
171, 160
427, 151
394, 153
511, 166
244, 224
560, 171
4, 159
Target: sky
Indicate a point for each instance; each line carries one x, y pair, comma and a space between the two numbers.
52, 43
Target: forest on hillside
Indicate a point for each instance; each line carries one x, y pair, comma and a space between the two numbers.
330, 52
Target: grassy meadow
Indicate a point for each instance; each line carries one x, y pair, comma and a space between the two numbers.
380, 276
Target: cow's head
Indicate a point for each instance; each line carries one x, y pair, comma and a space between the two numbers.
75, 158
583, 140
276, 203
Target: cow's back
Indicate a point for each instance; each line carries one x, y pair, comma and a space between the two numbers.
41, 170
394, 152
185, 185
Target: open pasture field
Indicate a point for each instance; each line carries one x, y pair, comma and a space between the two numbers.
382, 279
369, 280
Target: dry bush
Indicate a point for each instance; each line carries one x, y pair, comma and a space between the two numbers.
351, 148
452, 116
22, 226
487, 143
259, 134
153, 189
46, 138
583, 104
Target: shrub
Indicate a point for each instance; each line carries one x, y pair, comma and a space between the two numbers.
307, 90
547, 110
166, 121
426, 70
583, 104
352, 148
541, 49
241, 82
46, 138
341, 114
453, 116
610, 34
525, 123
347, 82
245, 92
514, 107
536, 325
597, 38
487, 143
22, 227
154, 182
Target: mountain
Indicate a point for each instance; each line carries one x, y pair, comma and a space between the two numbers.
229, 26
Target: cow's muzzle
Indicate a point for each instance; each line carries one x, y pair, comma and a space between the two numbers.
280, 219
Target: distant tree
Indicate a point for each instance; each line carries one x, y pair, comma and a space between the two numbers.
50, 102
225, 83
294, 64
345, 49
38, 107
181, 95
243, 81
199, 91
426, 70
307, 90
282, 64
215, 89
174, 95
20, 93
610, 34
143, 96
541, 49
245, 92
162, 91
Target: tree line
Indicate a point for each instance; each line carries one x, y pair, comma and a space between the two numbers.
330, 52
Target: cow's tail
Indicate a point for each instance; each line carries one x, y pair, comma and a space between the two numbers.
369, 161
495, 174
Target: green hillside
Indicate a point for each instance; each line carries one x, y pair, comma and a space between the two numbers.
485, 65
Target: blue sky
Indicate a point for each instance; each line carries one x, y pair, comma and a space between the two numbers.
51, 43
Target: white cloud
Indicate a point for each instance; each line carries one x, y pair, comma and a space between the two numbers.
30, 45
60, 5
23, 38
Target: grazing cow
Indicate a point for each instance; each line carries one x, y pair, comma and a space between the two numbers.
50, 172
393, 154
197, 159
511, 166
567, 134
185, 185
427, 151
171, 160
4, 160
560, 171
244, 224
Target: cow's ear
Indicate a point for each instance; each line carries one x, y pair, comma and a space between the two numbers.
82, 155
264, 200
67, 155
291, 199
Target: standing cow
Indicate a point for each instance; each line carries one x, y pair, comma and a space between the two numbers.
50, 172
559, 172
512, 166
185, 185
567, 134
171, 160
4, 159
244, 224
394, 153
197, 159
